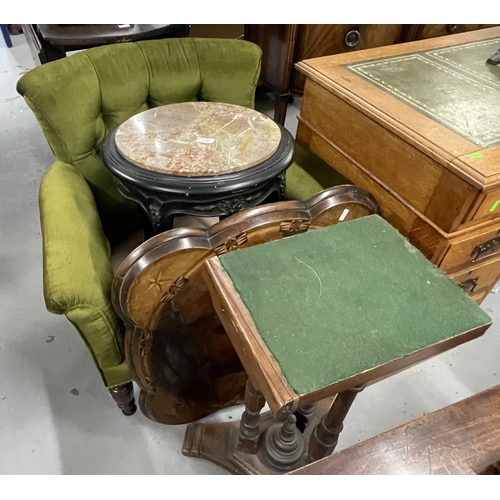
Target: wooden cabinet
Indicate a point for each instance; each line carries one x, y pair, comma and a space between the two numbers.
416, 125
285, 44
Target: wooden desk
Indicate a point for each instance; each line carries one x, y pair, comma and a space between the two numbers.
463, 438
416, 124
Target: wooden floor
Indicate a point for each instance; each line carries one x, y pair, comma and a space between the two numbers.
463, 438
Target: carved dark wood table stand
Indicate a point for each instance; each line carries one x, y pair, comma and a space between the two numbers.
199, 158
320, 316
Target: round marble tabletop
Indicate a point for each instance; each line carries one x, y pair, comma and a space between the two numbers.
198, 139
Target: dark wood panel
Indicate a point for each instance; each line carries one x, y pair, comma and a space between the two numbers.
216, 30
277, 42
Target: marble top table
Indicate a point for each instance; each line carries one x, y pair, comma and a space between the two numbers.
198, 158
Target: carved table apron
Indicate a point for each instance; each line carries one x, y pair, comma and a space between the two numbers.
168, 160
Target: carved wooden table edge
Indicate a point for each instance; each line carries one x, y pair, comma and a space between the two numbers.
302, 213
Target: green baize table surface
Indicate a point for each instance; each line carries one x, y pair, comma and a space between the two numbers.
334, 302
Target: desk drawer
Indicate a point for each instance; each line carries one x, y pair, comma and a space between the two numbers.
478, 280
488, 206
475, 247
387, 157
479, 297
430, 241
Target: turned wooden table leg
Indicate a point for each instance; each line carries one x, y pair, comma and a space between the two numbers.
283, 444
124, 398
250, 420
325, 436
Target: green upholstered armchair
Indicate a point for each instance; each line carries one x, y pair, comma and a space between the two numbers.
77, 102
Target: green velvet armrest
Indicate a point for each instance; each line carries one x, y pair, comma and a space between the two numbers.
77, 273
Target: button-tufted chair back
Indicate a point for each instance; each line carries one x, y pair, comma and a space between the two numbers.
79, 100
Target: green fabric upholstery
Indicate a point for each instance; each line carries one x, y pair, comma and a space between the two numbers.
75, 247
309, 174
77, 102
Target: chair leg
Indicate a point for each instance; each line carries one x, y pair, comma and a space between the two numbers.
124, 398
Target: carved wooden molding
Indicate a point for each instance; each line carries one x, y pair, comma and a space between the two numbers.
231, 244
295, 226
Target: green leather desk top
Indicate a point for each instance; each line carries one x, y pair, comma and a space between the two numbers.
334, 302
452, 85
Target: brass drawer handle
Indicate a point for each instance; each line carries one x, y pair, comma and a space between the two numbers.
469, 285
352, 38
486, 249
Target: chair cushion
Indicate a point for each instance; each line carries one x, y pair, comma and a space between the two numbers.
77, 101
309, 174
